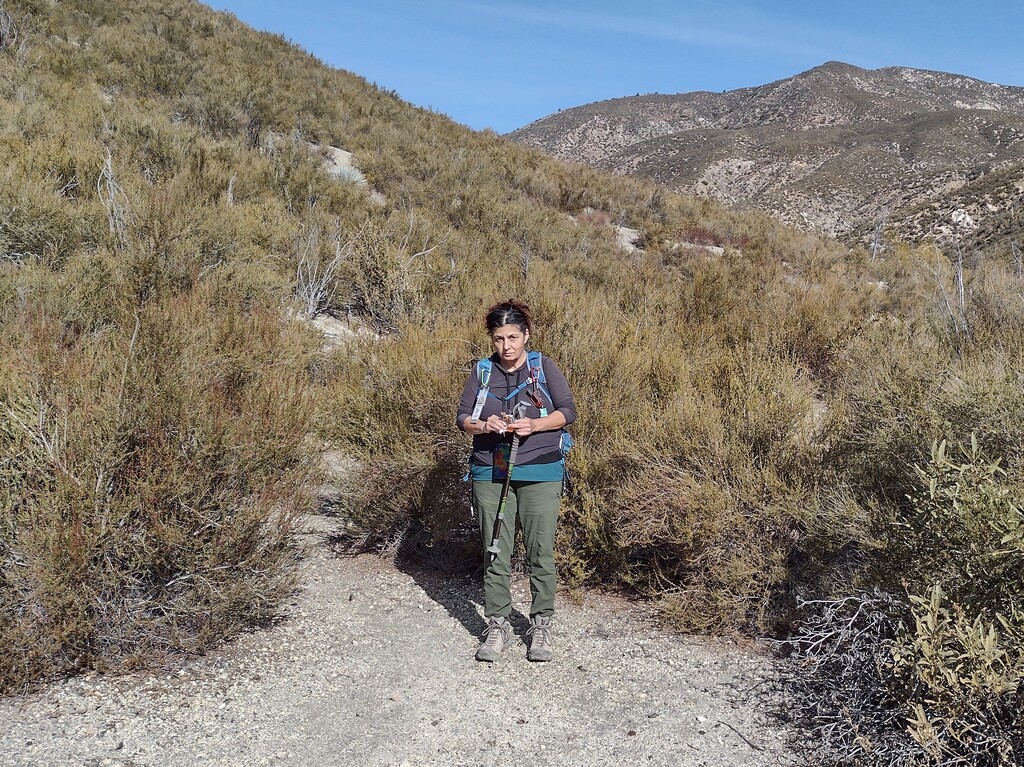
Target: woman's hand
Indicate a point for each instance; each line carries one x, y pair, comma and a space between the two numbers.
495, 424
523, 426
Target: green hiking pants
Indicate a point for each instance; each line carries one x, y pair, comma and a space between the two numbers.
535, 504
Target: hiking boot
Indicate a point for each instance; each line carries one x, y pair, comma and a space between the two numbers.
542, 646
496, 636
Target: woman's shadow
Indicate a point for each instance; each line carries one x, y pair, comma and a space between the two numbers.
441, 550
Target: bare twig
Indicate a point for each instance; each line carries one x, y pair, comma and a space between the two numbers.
958, 282
210, 267
408, 233
835, 687
955, 316
525, 253
314, 278
114, 200
8, 30
127, 360
743, 737
427, 251
49, 441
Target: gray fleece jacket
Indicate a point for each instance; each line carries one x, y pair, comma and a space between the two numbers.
539, 447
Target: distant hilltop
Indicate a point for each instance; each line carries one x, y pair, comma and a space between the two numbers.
838, 149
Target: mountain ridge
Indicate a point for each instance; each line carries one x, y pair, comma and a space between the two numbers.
836, 149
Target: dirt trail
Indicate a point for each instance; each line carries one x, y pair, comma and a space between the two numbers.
374, 666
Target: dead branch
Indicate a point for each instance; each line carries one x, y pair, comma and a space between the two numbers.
114, 200
8, 30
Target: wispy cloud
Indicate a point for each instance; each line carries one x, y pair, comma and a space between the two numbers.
766, 35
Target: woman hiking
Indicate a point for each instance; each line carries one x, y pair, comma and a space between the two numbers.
517, 401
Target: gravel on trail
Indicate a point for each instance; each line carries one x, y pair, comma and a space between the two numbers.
373, 665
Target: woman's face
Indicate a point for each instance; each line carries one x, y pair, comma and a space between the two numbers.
510, 344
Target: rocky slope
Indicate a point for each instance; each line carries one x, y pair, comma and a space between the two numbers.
835, 149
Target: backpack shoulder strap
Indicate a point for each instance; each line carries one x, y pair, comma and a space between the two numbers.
483, 379
535, 362
483, 373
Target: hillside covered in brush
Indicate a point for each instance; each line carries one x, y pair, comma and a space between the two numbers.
839, 150
771, 427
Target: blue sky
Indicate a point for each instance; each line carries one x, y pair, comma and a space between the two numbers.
500, 65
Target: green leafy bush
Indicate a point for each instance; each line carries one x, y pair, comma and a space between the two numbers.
937, 677
967, 677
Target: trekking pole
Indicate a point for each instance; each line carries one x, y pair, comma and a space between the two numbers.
494, 549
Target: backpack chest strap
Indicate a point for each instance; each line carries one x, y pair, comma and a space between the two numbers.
536, 379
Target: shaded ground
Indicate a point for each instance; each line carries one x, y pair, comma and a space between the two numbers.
374, 666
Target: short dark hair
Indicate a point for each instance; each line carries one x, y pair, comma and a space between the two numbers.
510, 312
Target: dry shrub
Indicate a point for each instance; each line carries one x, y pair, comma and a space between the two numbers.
151, 475
836, 690
995, 307
898, 403
698, 235
37, 224
715, 563
877, 679
936, 677
596, 217
413, 467
707, 514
